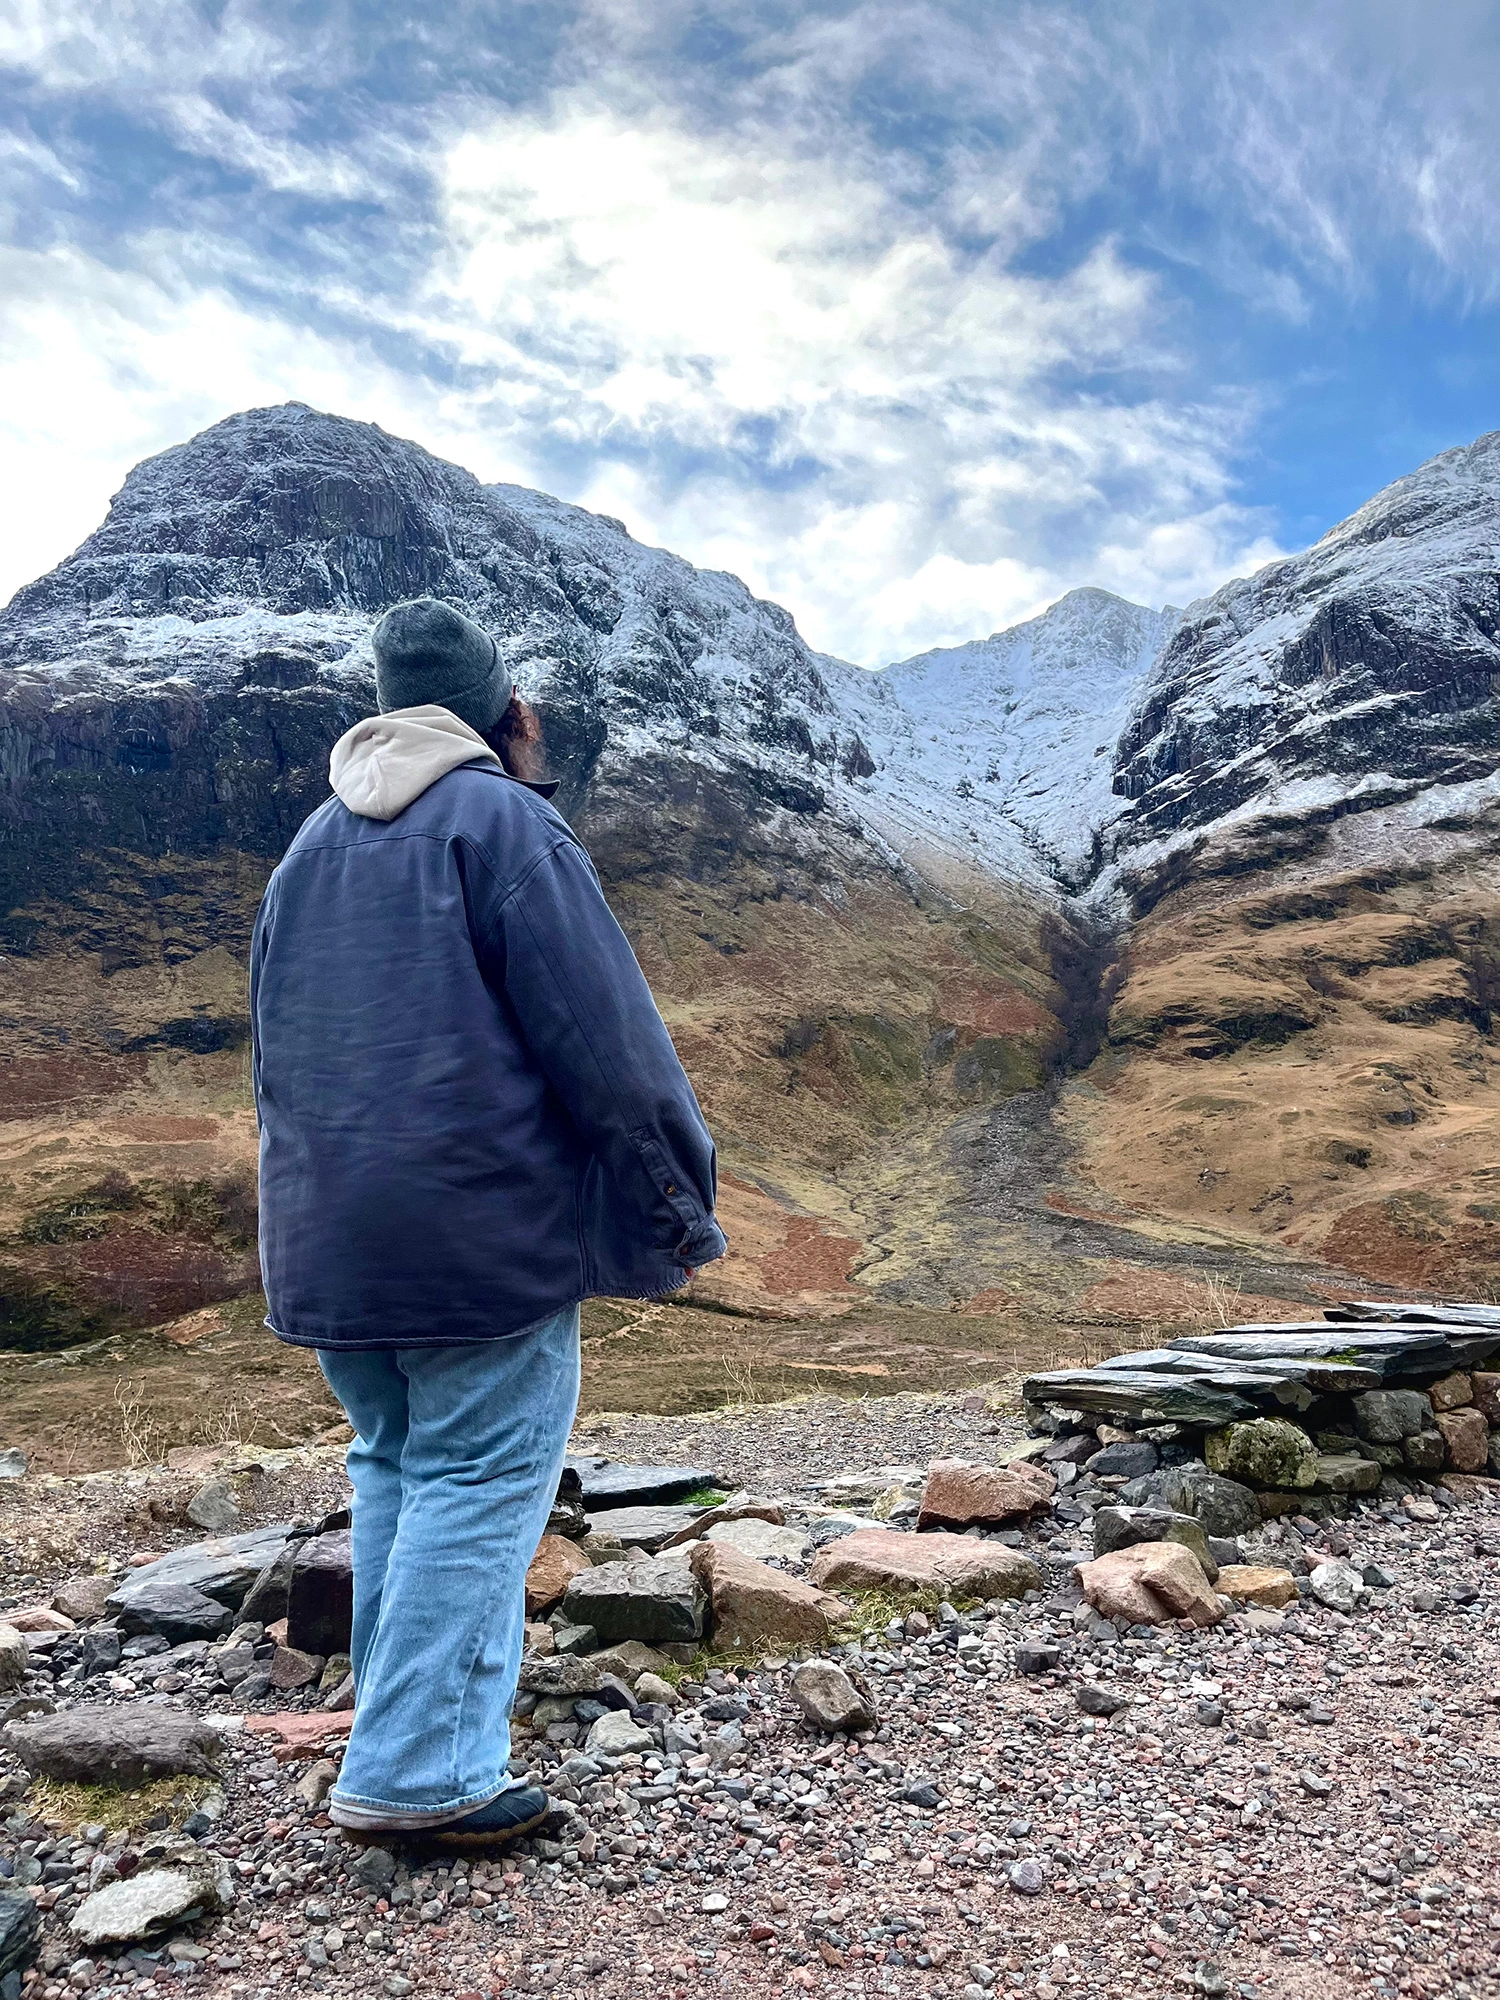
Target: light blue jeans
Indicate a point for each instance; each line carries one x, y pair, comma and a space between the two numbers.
454, 1468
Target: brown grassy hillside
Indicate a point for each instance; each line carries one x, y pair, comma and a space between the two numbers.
1309, 1061
823, 1021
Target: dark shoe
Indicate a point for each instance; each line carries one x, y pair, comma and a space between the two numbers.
504, 1818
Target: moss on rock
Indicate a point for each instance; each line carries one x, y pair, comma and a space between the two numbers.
1266, 1452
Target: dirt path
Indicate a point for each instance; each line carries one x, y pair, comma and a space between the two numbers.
1002, 1210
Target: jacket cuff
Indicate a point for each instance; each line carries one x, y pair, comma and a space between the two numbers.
706, 1243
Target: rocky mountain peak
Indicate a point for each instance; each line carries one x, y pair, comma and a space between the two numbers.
1360, 675
1026, 721
1077, 749
289, 511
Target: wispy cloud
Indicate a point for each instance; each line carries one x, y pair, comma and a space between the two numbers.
913, 312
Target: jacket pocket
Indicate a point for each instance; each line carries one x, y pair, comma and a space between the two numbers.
686, 1209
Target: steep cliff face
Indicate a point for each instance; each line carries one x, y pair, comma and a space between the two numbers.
175, 685
1359, 676
1305, 1048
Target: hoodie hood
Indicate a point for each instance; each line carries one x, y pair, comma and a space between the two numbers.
380, 765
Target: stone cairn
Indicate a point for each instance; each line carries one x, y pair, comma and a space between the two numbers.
1374, 1399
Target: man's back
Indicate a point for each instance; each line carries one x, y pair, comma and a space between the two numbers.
470, 1111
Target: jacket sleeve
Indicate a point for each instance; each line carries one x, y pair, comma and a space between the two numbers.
590, 1021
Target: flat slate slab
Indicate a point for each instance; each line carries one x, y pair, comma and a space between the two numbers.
1463, 1350
606, 1482
1448, 1312
223, 1568
649, 1528
1159, 1398
149, 1903
1263, 1343
1311, 1371
1214, 1378
1322, 1337
1389, 1350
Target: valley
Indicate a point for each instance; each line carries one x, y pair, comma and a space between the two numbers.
1041, 993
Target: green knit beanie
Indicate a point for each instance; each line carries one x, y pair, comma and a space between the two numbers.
426, 651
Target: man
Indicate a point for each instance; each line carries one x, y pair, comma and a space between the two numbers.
471, 1119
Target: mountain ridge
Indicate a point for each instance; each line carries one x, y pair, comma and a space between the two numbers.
925, 936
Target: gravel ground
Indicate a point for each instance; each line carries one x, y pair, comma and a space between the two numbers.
780, 1447
1216, 1835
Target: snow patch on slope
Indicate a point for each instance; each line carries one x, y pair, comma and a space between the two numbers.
1019, 730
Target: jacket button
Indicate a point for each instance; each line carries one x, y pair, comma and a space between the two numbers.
671, 1187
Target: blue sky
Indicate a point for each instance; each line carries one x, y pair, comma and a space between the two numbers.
915, 313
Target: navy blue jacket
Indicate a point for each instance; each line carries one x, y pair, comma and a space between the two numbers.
471, 1113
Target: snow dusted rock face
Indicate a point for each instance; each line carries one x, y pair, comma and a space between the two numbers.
242, 572
872, 905
1308, 855
1021, 728
1358, 676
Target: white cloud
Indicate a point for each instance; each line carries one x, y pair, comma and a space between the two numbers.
780, 368
100, 368
766, 361
804, 313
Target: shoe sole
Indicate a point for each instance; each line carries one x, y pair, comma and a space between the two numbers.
449, 1836
456, 1839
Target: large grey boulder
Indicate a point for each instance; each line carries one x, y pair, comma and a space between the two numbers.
1220, 1506
1131, 1458
605, 1482
1346, 1472
1424, 1451
1125, 1527
660, 1603
320, 1597
647, 1527
116, 1746
223, 1568
1386, 1416
1266, 1451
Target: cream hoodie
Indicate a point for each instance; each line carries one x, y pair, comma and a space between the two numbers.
380, 765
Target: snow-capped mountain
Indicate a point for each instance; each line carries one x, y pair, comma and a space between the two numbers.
854, 892
204, 646
1361, 676
190, 664
1022, 726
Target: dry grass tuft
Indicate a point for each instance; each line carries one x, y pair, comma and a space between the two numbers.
70, 1806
